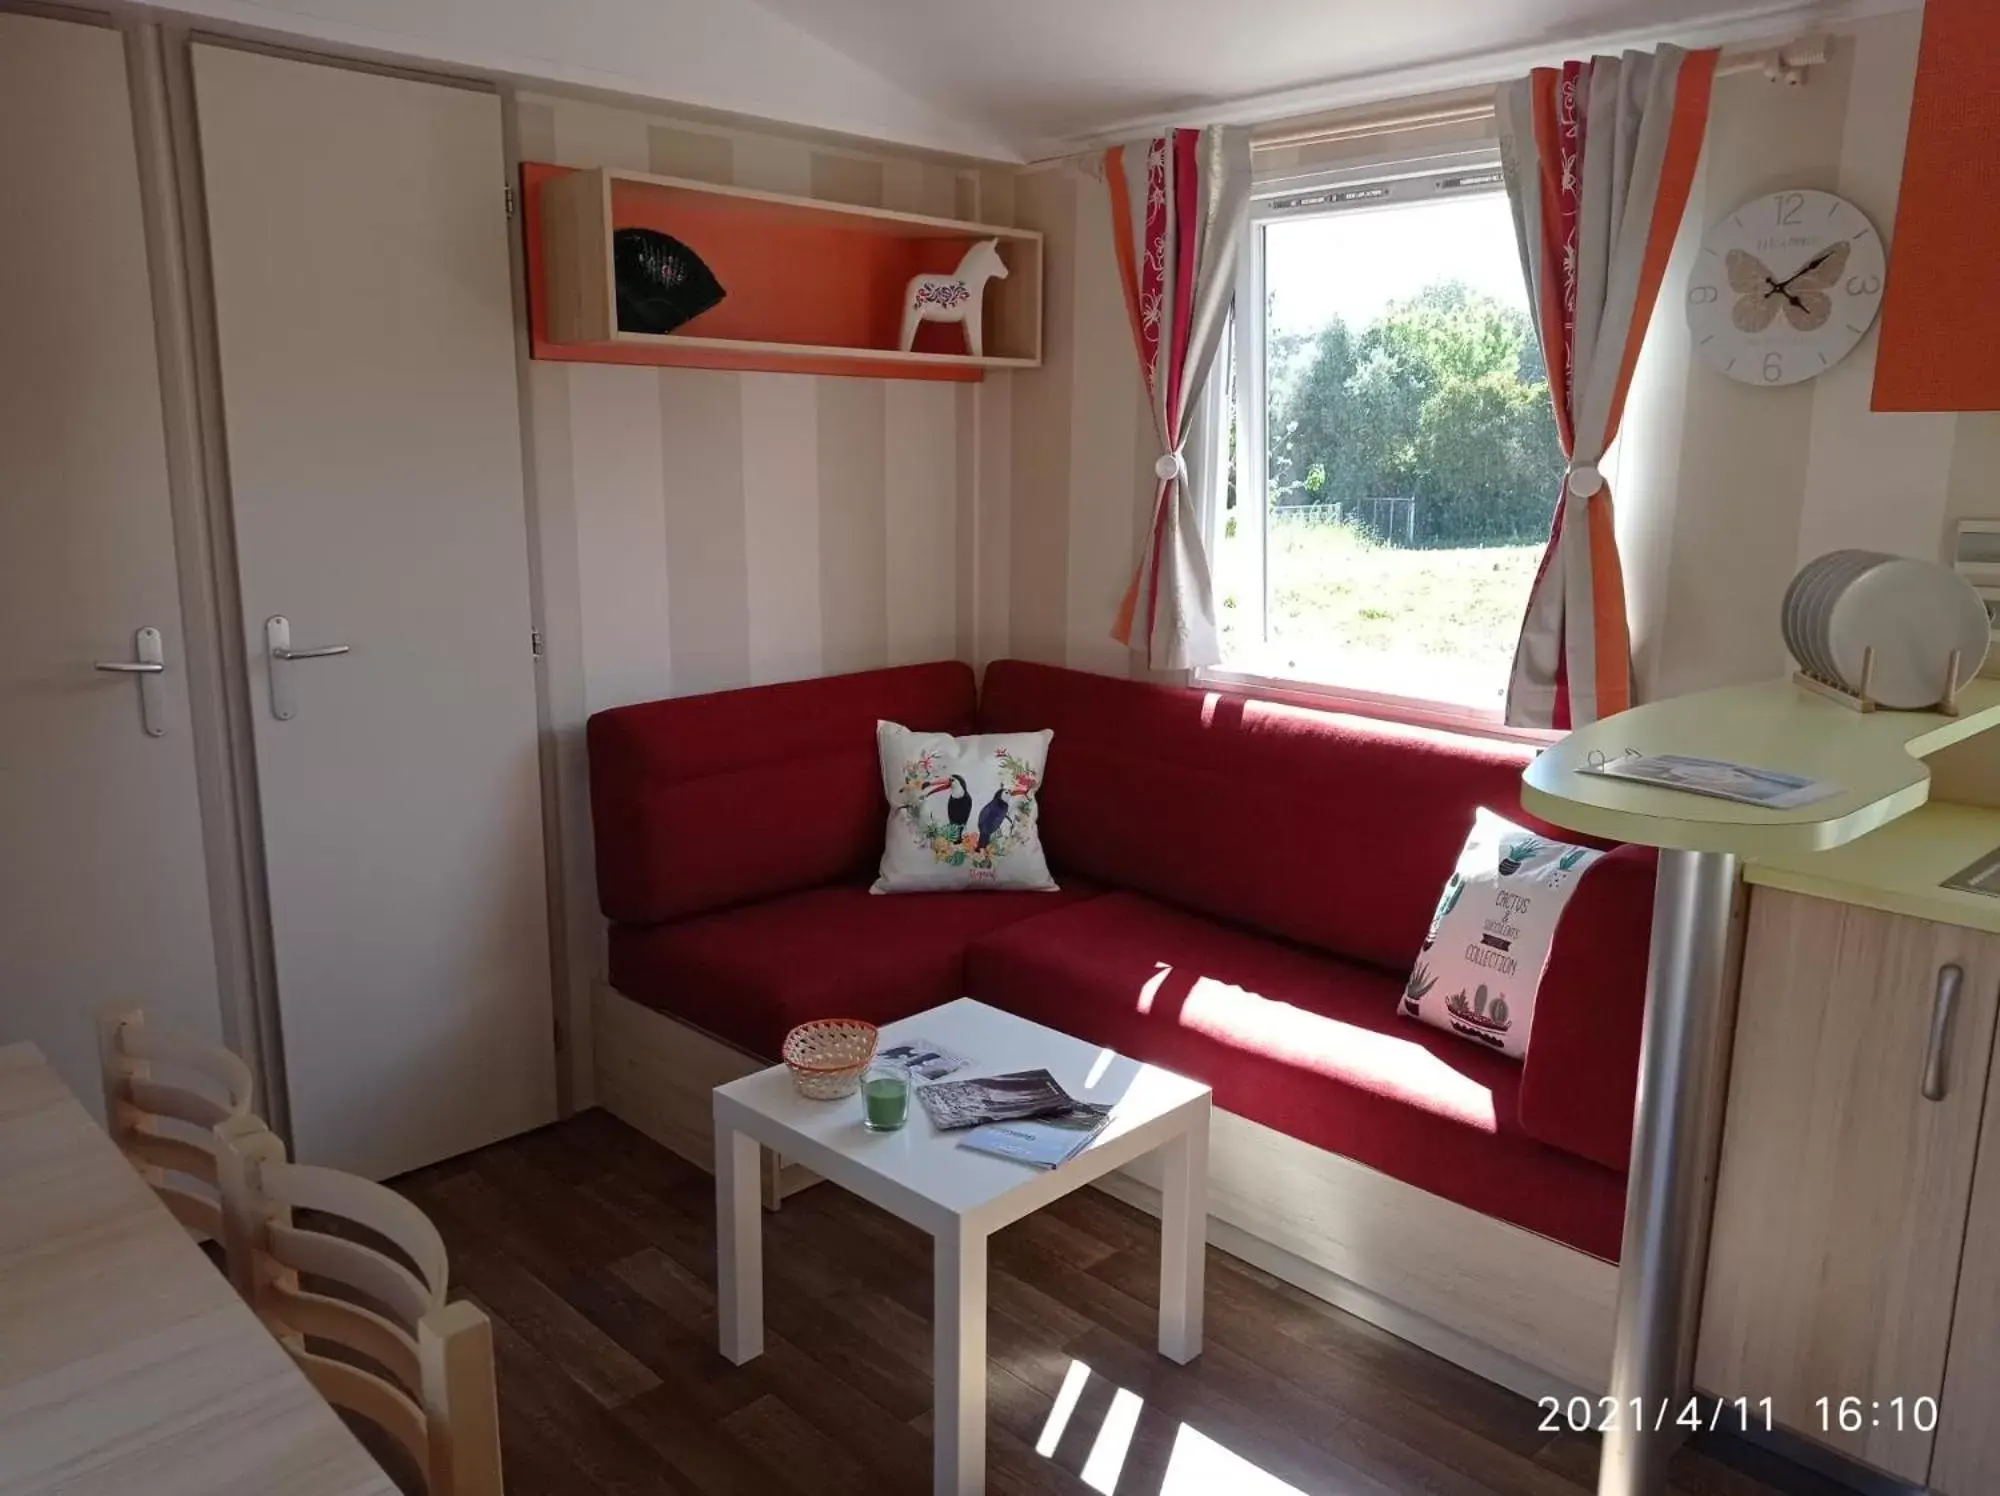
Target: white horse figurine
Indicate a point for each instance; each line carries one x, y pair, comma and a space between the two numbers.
957, 297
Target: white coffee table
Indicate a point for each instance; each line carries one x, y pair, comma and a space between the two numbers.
961, 1197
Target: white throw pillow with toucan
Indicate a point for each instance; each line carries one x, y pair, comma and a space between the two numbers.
1490, 938
963, 812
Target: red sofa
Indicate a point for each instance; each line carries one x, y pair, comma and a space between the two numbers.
1245, 886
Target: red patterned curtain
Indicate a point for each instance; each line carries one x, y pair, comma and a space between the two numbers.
1179, 205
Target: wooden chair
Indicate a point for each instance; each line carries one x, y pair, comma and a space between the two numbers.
418, 1368
165, 1094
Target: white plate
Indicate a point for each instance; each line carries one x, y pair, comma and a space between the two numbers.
1841, 576
1788, 623
1913, 614
1832, 574
1792, 620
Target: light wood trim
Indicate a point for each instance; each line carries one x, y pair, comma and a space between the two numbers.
1014, 306
455, 1346
154, 1046
1487, 1295
352, 1325
819, 207
659, 1075
575, 216
363, 1269
1841, 1205
372, 1398
177, 1102
885, 356
366, 1203
1966, 1460
173, 1155
1533, 1299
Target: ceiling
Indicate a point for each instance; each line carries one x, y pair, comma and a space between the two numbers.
1042, 74
1010, 79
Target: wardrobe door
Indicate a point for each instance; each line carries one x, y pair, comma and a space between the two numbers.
359, 243
103, 892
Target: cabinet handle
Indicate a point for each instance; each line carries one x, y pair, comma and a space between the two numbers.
1950, 979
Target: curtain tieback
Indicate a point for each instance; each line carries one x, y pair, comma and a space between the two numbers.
1172, 467
1584, 479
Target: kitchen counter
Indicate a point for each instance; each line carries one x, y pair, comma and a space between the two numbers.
1900, 868
1875, 757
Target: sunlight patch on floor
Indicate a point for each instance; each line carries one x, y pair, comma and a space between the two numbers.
1114, 1440
1071, 1390
1197, 1466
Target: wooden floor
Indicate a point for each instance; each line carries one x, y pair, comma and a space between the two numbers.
593, 1250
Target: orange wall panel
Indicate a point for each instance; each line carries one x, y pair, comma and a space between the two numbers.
1940, 347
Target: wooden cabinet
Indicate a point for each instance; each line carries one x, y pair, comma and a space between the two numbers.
1967, 1458
1844, 1188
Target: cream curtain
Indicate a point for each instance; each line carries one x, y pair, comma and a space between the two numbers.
1599, 159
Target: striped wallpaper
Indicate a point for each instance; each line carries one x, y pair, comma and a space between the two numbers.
699, 530
1725, 490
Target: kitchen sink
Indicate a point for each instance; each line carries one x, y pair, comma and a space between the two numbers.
1982, 876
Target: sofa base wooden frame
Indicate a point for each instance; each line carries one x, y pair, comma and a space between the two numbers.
1511, 1306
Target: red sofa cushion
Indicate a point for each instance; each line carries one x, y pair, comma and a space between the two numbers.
1582, 1070
1336, 831
749, 974
704, 801
1305, 1044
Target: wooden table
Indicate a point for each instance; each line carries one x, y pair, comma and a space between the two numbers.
128, 1366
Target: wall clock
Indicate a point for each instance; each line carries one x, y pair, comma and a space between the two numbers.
1785, 287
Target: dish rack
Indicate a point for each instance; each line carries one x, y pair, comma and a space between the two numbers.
1860, 700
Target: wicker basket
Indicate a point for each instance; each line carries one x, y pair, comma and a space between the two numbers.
826, 1057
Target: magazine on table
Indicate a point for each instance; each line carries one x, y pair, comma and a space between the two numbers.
1041, 1141
953, 1104
924, 1058
1718, 779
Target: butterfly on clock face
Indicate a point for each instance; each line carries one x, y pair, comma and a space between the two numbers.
1801, 296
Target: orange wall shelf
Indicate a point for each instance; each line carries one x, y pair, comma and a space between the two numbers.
811, 287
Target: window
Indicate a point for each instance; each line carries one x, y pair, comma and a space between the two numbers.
1390, 388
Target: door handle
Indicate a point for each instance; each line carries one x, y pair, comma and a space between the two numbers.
1950, 979
278, 645
150, 663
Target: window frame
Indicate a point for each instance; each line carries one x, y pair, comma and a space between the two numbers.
1358, 188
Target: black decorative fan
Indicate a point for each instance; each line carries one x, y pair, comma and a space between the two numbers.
661, 282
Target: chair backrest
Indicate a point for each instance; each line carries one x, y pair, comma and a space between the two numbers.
418, 1368
165, 1093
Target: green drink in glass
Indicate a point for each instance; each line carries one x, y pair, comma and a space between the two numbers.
885, 1096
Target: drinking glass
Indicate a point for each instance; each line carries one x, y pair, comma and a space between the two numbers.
885, 1096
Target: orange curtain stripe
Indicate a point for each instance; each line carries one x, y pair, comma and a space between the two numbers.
1549, 301
1121, 241
1611, 634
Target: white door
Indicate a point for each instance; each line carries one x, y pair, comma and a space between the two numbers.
103, 892
366, 333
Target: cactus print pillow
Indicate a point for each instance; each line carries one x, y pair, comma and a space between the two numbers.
1489, 940
962, 811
